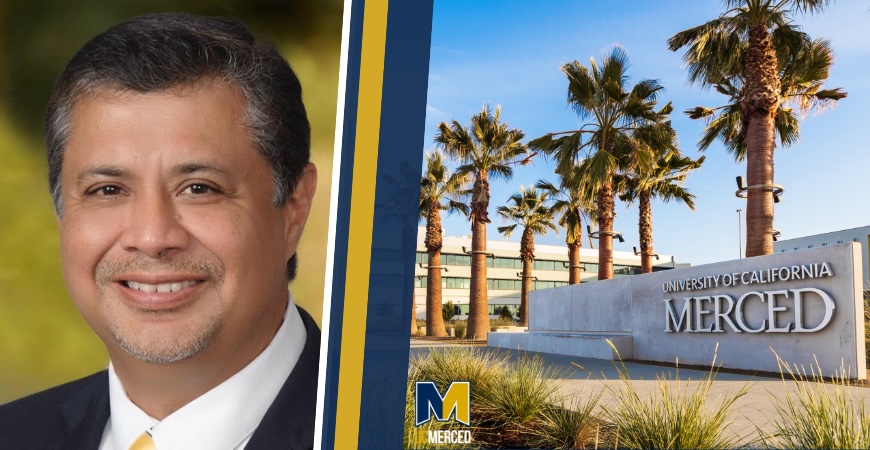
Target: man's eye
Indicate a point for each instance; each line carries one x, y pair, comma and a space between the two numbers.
107, 191
198, 189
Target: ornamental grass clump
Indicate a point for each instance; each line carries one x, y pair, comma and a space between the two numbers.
678, 416
460, 326
522, 392
819, 414
443, 366
446, 365
510, 409
513, 404
569, 425
501, 322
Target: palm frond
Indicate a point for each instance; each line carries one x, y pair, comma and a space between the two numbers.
715, 57
507, 230
810, 6
439, 187
699, 112
787, 127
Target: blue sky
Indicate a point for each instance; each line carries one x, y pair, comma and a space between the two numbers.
509, 53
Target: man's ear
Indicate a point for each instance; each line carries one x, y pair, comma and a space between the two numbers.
297, 206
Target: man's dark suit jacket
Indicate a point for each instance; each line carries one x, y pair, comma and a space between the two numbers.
73, 416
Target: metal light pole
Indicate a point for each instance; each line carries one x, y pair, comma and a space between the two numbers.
739, 234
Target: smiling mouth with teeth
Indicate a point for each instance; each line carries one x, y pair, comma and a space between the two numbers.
162, 287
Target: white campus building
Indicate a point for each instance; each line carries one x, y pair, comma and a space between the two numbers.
504, 270
860, 235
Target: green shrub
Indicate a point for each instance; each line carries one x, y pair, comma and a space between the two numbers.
504, 312
819, 415
448, 310
676, 417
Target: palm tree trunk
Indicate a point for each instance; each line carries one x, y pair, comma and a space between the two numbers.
759, 108
645, 232
527, 254
574, 261
605, 223
524, 293
433, 242
434, 317
478, 308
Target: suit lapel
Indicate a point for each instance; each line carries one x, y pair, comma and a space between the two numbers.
85, 414
289, 422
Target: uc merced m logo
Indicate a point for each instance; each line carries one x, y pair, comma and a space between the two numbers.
456, 402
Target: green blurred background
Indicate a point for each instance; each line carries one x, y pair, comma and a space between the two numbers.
43, 339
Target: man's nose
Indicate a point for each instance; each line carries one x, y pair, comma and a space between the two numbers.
154, 227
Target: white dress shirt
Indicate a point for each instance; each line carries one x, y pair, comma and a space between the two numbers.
222, 418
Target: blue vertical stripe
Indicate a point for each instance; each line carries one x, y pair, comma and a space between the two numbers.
394, 234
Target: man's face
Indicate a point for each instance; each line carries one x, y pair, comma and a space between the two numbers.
171, 246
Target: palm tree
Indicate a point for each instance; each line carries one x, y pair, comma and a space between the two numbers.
527, 209
488, 149
601, 94
662, 181
574, 205
744, 54
800, 86
439, 191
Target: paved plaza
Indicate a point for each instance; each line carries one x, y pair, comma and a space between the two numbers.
586, 376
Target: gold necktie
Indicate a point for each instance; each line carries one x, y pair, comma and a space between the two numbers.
143, 442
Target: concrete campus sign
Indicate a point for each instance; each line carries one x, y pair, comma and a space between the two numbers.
804, 305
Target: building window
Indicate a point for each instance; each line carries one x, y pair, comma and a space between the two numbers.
840, 241
457, 260
625, 270
455, 283
507, 263
508, 285
545, 265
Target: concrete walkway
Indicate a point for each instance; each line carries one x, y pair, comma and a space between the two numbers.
753, 412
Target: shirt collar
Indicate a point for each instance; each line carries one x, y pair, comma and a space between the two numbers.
223, 417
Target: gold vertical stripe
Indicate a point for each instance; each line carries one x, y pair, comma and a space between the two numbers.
365, 165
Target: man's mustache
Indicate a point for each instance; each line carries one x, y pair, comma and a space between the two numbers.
113, 270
